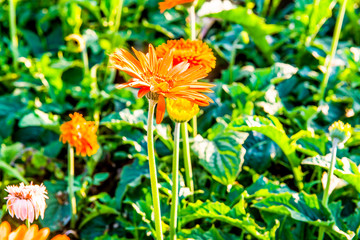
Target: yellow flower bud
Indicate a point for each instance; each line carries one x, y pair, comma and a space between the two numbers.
339, 130
181, 110
76, 42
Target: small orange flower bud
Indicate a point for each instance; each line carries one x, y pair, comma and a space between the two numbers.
80, 134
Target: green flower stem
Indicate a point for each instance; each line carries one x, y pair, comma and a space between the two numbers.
187, 159
334, 44
175, 184
27, 223
152, 168
85, 59
330, 174
14, 39
331, 171
71, 173
192, 16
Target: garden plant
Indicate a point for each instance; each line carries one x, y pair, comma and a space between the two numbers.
179, 119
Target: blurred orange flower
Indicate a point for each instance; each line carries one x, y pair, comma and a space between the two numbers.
159, 77
24, 233
26, 201
195, 52
80, 134
167, 4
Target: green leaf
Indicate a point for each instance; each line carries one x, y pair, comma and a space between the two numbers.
304, 208
100, 177
58, 212
273, 130
236, 217
353, 223
299, 206
131, 176
117, 120
198, 234
254, 25
344, 168
10, 153
263, 187
12, 171
99, 209
222, 157
261, 78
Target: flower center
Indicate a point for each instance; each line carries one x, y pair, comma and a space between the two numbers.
22, 195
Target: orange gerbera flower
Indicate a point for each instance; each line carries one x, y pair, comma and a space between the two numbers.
195, 52
167, 4
24, 233
160, 77
80, 134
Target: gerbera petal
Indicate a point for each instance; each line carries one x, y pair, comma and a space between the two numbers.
43, 234
31, 232
160, 109
5, 229
19, 233
152, 58
143, 91
167, 4
61, 237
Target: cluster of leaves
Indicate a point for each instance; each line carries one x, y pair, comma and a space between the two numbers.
263, 147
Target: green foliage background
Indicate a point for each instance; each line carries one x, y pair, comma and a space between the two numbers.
262, 146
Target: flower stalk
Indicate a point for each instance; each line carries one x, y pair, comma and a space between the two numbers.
334, 45
13, 36
175, 184
152, 168
331, 171
325, 199
71, 173
187, 159
27, 223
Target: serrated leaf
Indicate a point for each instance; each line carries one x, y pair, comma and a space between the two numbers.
219, 211
304, 208
131, 176
264, 187
58, 212
137, 118
222, 158
299, 206
273, 130
198, 234
253, 24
